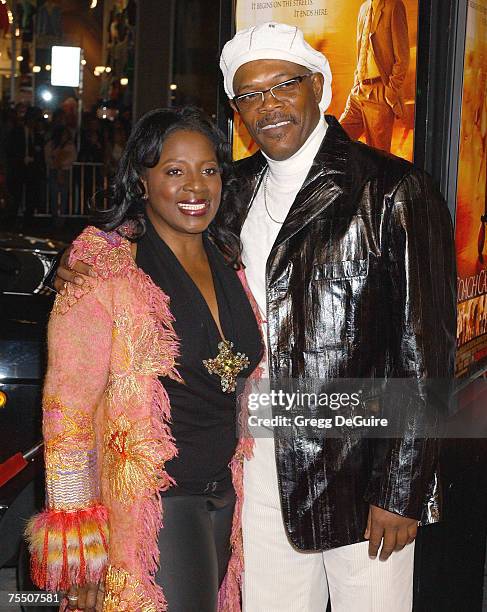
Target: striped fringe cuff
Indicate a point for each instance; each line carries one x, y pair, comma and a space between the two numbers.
68, 547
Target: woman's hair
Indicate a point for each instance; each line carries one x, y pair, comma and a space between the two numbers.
142, 151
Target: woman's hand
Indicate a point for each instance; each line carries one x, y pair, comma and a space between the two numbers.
88, 597
78, 274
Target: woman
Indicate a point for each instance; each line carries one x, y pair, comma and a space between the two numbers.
139, 399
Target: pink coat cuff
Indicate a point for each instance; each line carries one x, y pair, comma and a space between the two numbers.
68, 547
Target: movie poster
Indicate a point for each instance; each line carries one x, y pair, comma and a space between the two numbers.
471, 240
386, 33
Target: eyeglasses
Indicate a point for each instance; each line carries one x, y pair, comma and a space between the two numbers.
284, 92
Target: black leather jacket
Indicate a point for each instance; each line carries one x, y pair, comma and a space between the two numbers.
360, 284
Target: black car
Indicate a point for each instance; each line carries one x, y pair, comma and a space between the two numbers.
24, 311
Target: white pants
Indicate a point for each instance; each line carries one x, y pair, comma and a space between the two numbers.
278, 578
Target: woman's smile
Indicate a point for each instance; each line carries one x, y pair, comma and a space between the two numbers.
194, 208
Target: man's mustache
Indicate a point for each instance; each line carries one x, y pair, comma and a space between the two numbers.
273, 119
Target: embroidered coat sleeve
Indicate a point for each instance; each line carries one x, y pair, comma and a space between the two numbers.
69, 539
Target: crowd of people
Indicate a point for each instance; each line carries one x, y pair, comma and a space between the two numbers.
37, 153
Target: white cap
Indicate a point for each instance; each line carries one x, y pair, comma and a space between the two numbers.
277, 41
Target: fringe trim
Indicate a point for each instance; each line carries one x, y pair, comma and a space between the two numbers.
158, 303
229, 595
68, 547
125, 592
151, 511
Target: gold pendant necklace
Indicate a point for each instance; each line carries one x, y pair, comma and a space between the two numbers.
227, 365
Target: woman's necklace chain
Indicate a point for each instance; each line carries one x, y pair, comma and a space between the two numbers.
265, 201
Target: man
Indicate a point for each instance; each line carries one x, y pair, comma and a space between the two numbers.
345, 253
349, 255
382, 64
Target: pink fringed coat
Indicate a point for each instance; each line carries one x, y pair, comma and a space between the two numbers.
107, 435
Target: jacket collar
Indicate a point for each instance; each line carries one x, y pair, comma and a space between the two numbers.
376, 16
324, 186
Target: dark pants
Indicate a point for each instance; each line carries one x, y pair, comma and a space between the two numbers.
195, 548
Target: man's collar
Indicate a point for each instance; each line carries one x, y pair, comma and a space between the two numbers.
325, 185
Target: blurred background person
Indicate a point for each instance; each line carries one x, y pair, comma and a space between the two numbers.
24, 163
15, 161
60, 153
114, 148
35, 167
92, 148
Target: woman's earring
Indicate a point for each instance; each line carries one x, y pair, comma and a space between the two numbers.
145, 196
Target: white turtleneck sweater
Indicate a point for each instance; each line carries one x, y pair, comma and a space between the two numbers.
259, 231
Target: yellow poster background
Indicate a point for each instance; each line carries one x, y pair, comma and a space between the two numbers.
331, 27
471, 243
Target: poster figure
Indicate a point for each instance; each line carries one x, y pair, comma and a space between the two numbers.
382, 64
481, 124
472, 319
471, 213
371, 46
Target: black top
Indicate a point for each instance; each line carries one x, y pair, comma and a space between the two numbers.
203, 416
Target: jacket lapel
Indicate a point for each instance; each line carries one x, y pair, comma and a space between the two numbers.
324, 186
376, 16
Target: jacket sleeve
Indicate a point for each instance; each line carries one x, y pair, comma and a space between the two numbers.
68, 541
421, 282
400, 42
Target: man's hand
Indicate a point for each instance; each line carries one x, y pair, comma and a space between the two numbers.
88, 597
395, 531
78, 275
